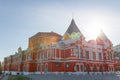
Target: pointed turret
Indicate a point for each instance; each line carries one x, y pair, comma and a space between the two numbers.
72, 32
72, 27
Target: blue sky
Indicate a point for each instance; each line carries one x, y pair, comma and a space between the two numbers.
21, 19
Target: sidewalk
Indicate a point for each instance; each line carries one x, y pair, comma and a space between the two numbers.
5, 78
74, 77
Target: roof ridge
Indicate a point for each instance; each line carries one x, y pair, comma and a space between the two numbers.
40, 33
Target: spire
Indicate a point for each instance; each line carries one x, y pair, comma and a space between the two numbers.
72, 27
72, 32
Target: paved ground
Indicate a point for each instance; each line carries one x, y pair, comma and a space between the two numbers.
72, 77
75, 77
5, 78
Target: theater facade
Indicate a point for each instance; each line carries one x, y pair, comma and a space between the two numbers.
51, 52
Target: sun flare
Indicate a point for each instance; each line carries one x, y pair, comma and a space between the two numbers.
94, 32
95, 24
94, 28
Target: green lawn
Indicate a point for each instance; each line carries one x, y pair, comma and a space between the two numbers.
18, 77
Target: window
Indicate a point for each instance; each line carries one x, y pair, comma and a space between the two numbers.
68, 64
81, 67
81, 55
109, 55
77, 51
26, 68
29, 57
87, 55
100, 56
94, 68
38, 68
72, 52
58, 64
100, 69
47, 55
86, 68
38, 55
109, 68
94, 55
42, 56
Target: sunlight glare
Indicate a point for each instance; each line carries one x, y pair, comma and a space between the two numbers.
95, 25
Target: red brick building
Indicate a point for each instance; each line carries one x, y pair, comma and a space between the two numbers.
117, 64
51, 52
